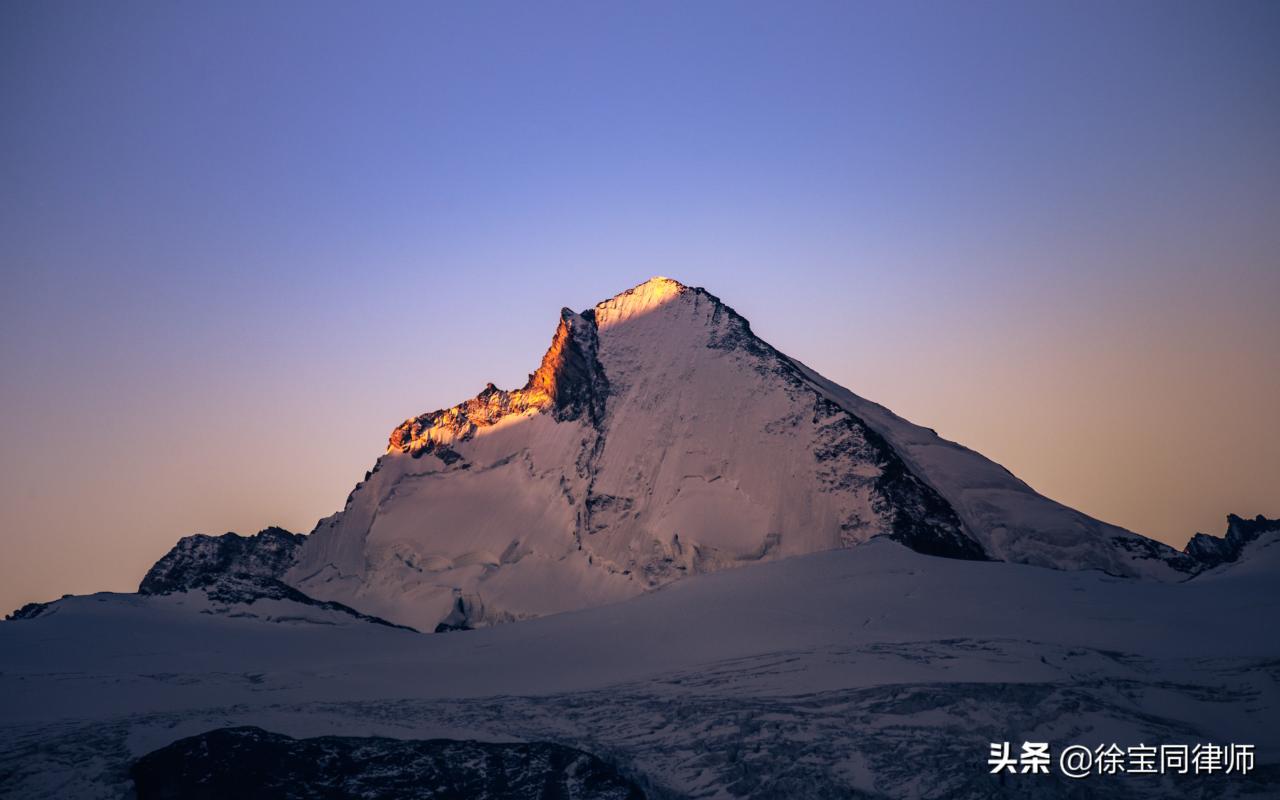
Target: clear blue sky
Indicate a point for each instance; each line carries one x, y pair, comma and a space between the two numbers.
240, 241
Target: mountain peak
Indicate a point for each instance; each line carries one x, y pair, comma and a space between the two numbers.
658, 438
660, 282
642, 299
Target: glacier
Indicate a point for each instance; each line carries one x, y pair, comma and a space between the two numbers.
874, 671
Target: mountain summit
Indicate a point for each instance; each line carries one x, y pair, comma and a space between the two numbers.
661, 438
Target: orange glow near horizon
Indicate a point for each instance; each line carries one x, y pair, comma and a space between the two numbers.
1047, 231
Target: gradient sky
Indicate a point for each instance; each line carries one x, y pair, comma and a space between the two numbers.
241, 241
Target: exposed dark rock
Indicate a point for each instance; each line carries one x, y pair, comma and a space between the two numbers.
569, 383
248, 589
571, 372
199, 560
467, 609
233, 569
1143, 548
32, 610
249, 763
1214, 550
920, 517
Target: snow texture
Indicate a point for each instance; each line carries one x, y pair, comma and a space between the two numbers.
661, 438
872, 671
734, 579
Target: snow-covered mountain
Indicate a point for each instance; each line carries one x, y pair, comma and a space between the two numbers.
870, 672
661, 438
658, 440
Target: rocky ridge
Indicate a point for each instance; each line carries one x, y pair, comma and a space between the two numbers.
568, 383
658, 438
1212, 551
249, 763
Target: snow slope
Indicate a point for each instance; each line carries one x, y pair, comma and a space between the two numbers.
661, 438
874, 669
697, 497
1011, 520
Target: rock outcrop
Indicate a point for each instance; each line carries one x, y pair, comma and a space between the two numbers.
569, 384
250, 763
1211, 551
199, 561
233, 570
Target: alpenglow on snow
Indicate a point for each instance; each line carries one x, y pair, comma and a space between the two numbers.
661, 438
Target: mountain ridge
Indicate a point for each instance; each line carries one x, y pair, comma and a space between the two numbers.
659, 437
636, 454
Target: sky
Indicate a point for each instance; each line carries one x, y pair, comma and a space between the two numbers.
240, 242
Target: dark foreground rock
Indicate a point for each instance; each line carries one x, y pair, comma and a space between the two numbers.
250, 763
